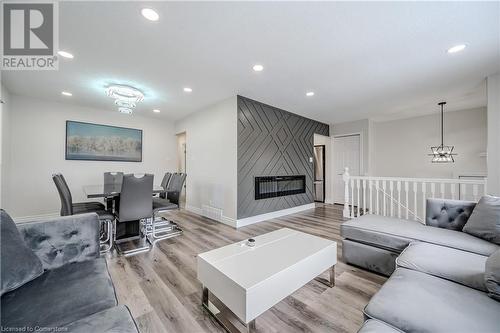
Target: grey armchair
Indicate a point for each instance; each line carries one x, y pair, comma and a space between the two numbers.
75, 288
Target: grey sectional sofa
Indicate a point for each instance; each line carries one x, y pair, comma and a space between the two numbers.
439, 274
65, 286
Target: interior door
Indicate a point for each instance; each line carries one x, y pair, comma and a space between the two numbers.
346, 153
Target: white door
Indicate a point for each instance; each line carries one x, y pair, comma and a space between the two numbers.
346, 153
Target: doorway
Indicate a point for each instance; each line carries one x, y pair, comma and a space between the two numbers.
182, 163
346, 153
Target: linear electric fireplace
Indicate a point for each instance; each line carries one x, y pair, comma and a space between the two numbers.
278, 186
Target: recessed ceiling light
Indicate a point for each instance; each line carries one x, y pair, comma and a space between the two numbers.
125, 110
150, 14
310, 93
457, 48
66, 93
258, 68
187, 89
65, 54
156, 111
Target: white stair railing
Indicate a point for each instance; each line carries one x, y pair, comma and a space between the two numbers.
403, 197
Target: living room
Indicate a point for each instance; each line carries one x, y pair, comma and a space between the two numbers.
250, 166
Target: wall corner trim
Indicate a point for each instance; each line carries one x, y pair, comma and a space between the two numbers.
267, 216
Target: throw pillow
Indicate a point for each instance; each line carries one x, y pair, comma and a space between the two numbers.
484, 221
19, 264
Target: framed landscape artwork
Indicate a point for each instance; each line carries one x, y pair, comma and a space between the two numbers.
94, 142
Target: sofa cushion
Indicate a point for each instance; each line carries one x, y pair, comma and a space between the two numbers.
492, 275
484, 221
116, 319
417, 302
60, 296
455, 265
395, 234
448, 214
19, 264
376, 326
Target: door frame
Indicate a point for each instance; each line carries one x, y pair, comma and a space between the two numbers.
324, 173
361, 154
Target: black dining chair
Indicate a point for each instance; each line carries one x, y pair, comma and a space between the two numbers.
134, 208
70, 208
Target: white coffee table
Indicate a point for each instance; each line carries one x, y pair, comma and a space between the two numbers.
251, 280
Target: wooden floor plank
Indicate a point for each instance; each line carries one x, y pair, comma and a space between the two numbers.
162, 291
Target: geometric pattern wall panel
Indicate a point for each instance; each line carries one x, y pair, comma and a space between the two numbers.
273, 142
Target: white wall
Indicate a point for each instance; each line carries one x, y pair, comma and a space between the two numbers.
4, 142
38, 150
401, 147
493, 83
211, 145
327, 142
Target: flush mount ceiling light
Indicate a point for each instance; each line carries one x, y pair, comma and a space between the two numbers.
156, 111
456, 48
150, 14
310, 93
442, 153
65, 54
66, 93
258, 68
125, 97
188, 90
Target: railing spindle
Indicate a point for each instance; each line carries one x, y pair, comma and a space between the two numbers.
370, 184
442, 190
424, 195
364, 196
475, 192
391, 188
352, 198
452, 191
378, 201
463, 192
357, 194
433, 190
384, 187
399, 198
415, 200
407, 201
345, 178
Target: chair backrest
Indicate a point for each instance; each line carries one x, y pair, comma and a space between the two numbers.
136, 198
113, 178
164, 183
175, 186
64, 194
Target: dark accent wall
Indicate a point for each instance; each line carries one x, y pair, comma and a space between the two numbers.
273, 142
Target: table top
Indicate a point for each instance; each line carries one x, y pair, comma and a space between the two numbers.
272, 253
110, 190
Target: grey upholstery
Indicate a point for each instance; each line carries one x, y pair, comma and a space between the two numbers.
164, 184
113, 177
369, 257
448, 214
376, 326
117, 320
395, 234
163, 204
455, 265
485, 220
19, 264
175, 186
63, 240
417, 302
67, 205
136, 198
60, 296
492, 275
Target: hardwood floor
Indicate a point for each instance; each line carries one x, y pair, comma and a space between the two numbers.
162, 292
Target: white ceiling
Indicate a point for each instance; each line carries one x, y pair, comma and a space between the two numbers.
363, 60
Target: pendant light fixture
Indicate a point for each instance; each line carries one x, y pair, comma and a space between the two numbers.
442, 153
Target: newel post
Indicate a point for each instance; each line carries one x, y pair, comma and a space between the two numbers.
345, 178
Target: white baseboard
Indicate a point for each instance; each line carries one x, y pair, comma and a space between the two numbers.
263, 217
22, 219
224, 219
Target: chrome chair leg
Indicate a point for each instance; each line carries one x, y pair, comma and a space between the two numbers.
106, 244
